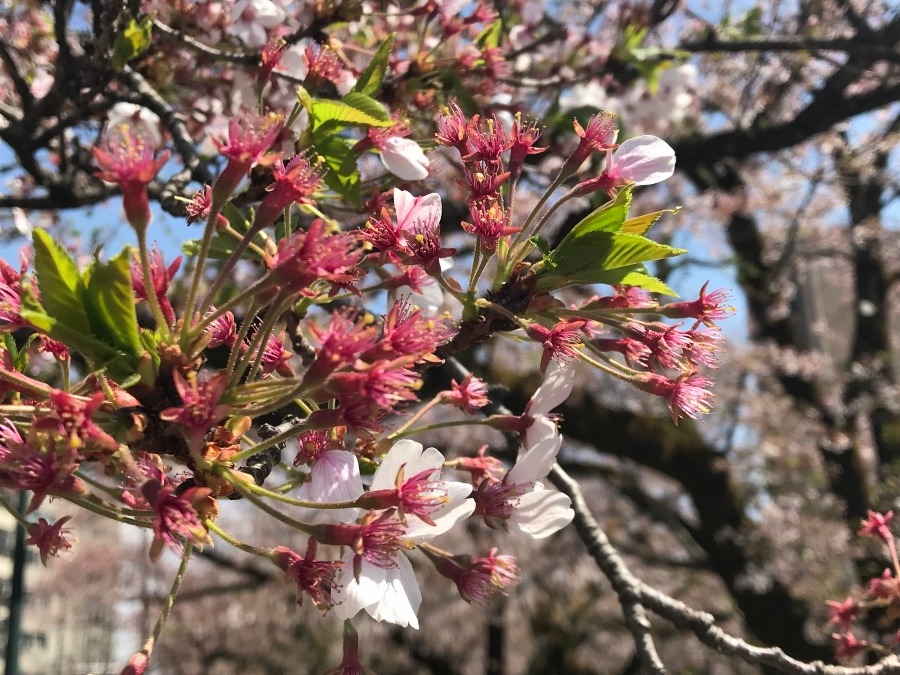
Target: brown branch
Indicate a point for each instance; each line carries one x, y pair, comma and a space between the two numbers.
239, 57
828, 108
12, 70
794, 43
700, 624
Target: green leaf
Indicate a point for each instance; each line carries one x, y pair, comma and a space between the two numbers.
609, 251
81, 341
540, 244
369, 82
61, 286
631, 275
304, 99
343, 174
353, 109
642, 224
236, 218
608, 218
369, 106
489, 38
595, 254
640, 280
110, 304
131, 42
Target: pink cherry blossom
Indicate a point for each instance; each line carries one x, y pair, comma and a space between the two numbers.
404, 158
314, 577
49, 539
176, 520
643, 160
200, 408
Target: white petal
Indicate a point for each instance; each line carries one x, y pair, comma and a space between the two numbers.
536, 463
541, 513
352, 595
401, 598
292, 61
644, 160
345, 82
333, 478
21, 223
541, 429
444, 520
405, 452
555, 389
404, 158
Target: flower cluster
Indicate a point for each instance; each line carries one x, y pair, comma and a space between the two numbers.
877, 611
332, 301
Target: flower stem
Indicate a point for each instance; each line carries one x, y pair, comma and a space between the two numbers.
277, 515
295, 430
106, 511
225, 270
200, 263
439, 425
212, 527
149, 288
14, 512
419, 414
277, 496
170, 601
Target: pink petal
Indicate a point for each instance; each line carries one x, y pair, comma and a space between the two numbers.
643, 160
404, 158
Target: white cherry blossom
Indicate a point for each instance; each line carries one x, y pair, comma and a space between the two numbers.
392, 593
404, 158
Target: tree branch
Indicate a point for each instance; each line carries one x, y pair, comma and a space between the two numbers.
794, 43
700, 624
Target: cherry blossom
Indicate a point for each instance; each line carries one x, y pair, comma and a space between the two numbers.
519, 501
389, 591
49, 539
404, 158
252, 18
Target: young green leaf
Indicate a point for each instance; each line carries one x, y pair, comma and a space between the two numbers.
342, 175
595, 254
131, 42
110, 304
610, 217
61, 286
353, 109
489, 38
630, 275
642, 224
369, 81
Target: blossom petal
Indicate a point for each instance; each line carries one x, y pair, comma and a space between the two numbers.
540, 513
401, 596
404, 158
555, 389
333, 478
644, 160
410, 209
536, 463
403, 453
541, 429
351, 595
444, 520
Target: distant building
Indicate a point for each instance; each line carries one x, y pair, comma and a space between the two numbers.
62, 633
